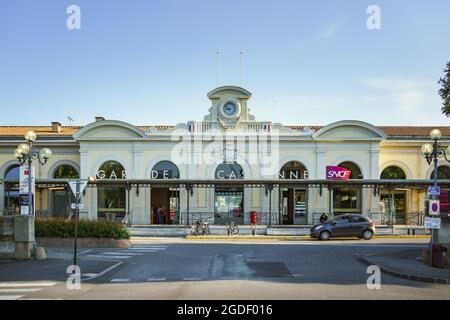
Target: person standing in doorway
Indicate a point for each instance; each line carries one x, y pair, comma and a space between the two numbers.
161, 214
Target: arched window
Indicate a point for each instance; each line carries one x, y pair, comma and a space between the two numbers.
13, 172
65, 171
348, 199
111, 201
111, 170
355, 170
229, 171
165, 170
62, 198
293, 170
12, 199
443, 173
393, 173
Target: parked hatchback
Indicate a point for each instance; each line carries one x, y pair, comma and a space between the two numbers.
348, 225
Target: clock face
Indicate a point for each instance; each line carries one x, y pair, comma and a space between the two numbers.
229, 109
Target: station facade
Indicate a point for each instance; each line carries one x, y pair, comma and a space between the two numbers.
228, 144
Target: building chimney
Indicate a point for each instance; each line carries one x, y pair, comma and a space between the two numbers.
97, 119
56, 127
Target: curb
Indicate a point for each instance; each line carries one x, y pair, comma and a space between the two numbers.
288, 238
405, 275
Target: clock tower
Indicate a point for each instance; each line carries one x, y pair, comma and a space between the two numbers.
229, 106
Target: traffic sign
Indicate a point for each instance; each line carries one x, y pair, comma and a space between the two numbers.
73, 186
80, 206
434, 208
434, 191
432, 223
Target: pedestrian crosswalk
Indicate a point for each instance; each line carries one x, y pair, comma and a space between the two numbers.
122, 254
19, 290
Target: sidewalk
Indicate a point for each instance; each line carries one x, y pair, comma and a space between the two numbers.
408, 265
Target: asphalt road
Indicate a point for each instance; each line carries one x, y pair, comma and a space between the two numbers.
181, 269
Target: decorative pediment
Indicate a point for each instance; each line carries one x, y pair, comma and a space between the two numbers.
109, 130
349, 130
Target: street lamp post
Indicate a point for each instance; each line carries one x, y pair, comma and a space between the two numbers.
26, 153
432, 153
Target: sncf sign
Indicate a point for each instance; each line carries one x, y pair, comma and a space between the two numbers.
337, 173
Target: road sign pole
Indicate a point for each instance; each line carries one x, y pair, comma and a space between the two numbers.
77, 200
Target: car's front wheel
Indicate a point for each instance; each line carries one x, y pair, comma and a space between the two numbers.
367, 235
324, 235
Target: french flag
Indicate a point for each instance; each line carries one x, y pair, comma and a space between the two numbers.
267, 127
191, 127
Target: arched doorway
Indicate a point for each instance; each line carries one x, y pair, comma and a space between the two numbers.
111, 201
61, 198
443, 173
165, 202
394, 201
348, 199
293, 202
228, 200
12, 196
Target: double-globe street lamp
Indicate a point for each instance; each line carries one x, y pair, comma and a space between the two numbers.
26, 153
432, 153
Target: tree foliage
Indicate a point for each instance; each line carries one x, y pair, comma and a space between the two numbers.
444, 91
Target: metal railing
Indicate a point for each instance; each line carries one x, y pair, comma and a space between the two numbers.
214, 218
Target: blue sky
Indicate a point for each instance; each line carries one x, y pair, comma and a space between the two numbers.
153, 62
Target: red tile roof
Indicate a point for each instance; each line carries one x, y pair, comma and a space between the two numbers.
46, 131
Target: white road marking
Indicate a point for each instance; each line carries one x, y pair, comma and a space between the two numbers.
122, 253
27, 284
104, 271
84, 252
107, 257
120, 280
147, 248
19, 290
10, 297
40, 299
192, 279
156, 279
89, 274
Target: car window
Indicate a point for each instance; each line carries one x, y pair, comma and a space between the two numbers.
358, 219
343, 220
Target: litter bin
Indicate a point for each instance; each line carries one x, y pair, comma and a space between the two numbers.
438, 255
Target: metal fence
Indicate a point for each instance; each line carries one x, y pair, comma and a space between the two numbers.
214, 218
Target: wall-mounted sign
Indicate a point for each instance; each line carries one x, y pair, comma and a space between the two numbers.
434, 208
229, 171
102, 174
293, 174
165, 170
432, 223
337, 173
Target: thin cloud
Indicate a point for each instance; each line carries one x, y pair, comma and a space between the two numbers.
331, 30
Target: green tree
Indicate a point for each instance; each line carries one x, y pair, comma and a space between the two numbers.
444, 91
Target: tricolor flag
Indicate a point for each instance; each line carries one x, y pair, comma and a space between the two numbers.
191, 127
267, 127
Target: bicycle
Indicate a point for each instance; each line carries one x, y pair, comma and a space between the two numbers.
232, 228
201, 227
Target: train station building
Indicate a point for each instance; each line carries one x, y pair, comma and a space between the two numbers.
153, 166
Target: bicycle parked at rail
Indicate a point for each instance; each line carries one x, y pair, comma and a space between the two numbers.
201, 228
232, 228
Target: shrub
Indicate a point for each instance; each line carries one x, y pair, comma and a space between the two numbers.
86, 229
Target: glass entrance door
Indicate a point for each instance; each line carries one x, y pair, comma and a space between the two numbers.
229, 205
